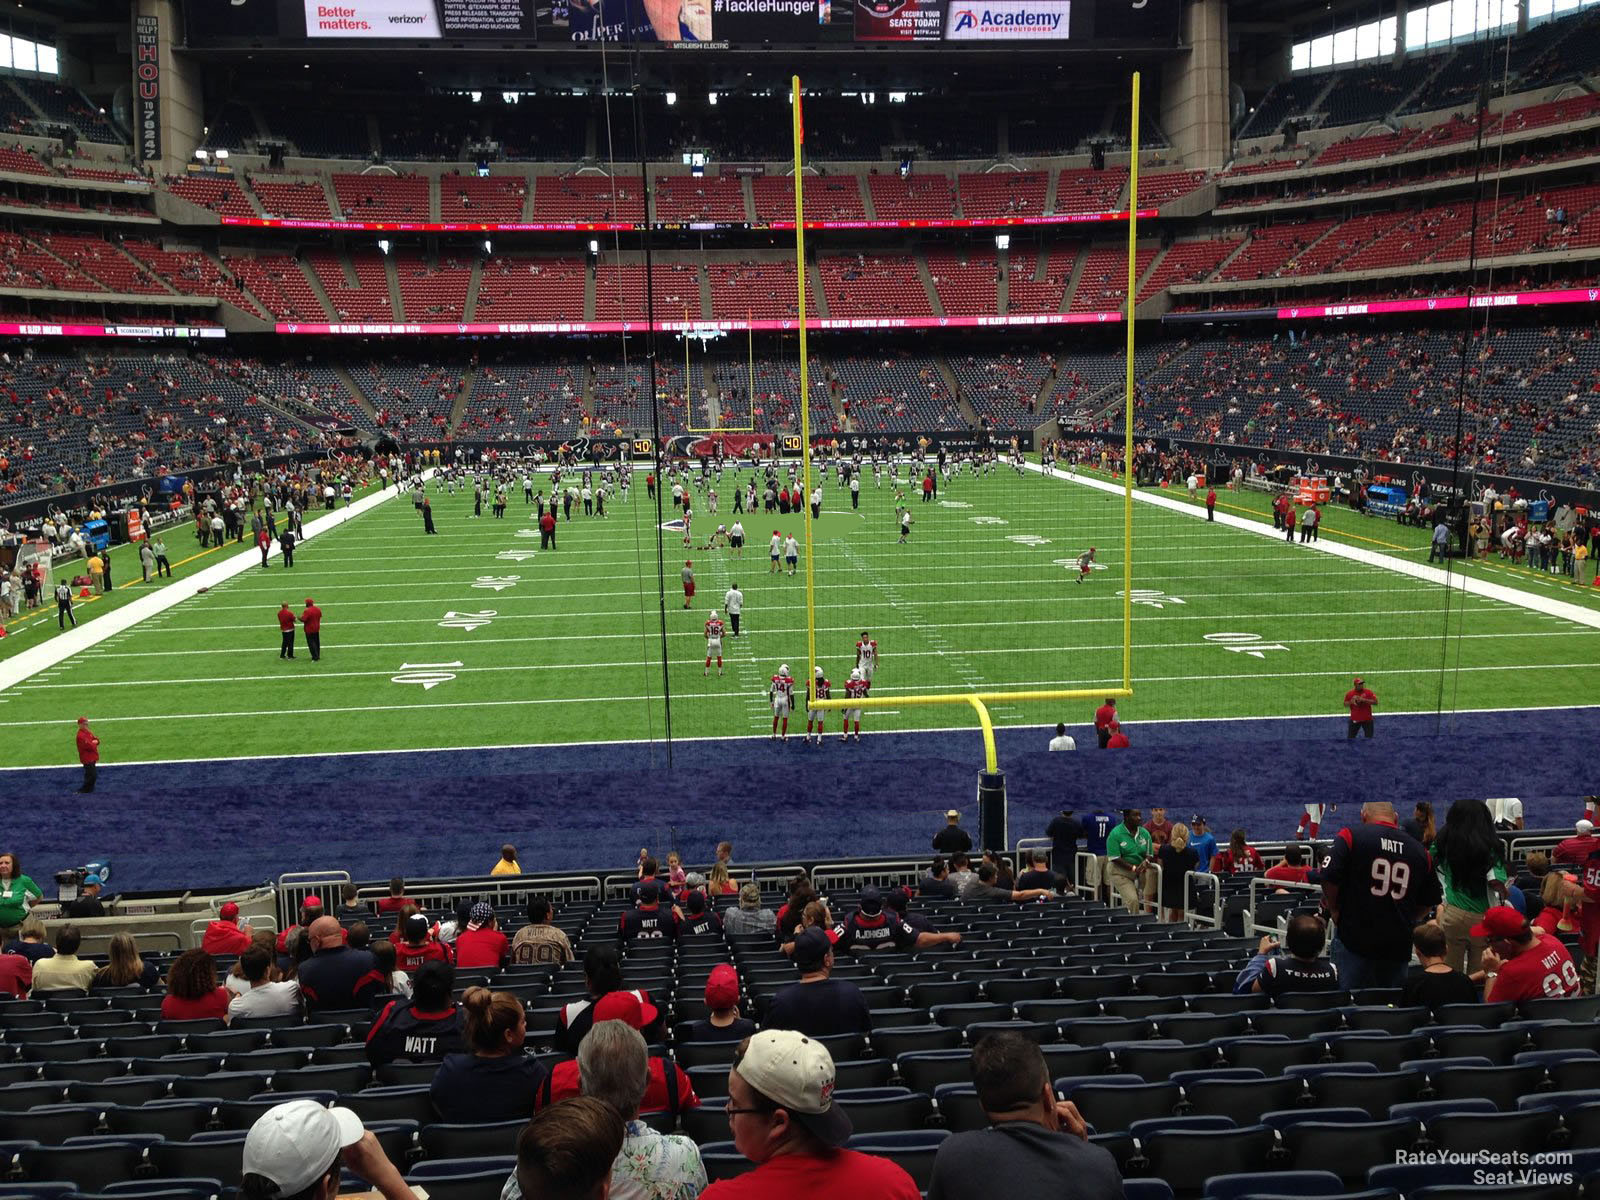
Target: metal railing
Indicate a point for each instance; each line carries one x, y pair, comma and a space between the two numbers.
1261, 885
443, 897
295, 886
857, 875
1190, 879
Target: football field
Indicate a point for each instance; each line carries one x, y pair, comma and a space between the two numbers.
476, 637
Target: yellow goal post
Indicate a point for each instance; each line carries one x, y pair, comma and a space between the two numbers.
977, 700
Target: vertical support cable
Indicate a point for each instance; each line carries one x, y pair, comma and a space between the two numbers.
650, 351
1127, 433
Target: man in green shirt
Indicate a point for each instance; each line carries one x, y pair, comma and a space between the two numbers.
1128, 853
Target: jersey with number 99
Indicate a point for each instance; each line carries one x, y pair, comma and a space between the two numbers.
1385, 880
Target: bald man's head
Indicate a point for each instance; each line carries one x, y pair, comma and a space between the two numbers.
325, 933
1377, 810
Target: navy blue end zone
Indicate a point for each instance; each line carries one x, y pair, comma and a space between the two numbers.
240, 821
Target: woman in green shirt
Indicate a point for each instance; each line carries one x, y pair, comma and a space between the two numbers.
1472, 871
18, 894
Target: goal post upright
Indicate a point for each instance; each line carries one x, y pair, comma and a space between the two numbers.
991, 780
805, 379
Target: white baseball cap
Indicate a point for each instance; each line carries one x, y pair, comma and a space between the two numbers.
796, 1073
295, 1143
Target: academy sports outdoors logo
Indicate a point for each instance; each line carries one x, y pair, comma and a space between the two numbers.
1008, 20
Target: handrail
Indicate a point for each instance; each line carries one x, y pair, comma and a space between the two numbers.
1215, 919
504, 889
1260, 883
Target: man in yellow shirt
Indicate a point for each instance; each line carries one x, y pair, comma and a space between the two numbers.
66, 969
508, 861
97, 572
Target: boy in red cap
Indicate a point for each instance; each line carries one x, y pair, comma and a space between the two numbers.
1522, 963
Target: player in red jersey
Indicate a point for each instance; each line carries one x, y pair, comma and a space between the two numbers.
781, 694
819, 689
855, 688
713, 643
866, 656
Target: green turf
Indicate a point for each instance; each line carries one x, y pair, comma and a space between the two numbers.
977, 599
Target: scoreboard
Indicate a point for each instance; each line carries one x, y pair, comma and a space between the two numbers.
686, 24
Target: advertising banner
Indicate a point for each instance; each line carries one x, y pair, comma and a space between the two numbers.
147, 87
1008, 21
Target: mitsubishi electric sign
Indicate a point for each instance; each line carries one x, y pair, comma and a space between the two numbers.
1008, 21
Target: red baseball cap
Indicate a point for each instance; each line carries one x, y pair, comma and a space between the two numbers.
624, 1006
1501, 921
722, 988
311, 902
228, 911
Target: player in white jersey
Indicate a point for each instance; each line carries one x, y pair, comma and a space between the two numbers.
791, 553
774, 550
781, 694
866, 656
736, 538
713, 643
1311, 820
818, 689
855, 689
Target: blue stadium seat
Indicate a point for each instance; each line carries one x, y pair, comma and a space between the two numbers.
469, 1141
1289, 1183
1112, 1107
1187, 1159
1285, 1118
1347, 1149
1146, 1189
912, 1151
462, 1178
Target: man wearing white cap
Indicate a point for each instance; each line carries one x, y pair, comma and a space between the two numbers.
783, 1119
296, 1150
952, 839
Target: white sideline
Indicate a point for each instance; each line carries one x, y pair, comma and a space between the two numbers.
44, 655
1452, 580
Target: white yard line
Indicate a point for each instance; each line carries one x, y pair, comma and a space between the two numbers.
1451, 580
1113, 619
536, 746
1019, 685
940, 647
120, 620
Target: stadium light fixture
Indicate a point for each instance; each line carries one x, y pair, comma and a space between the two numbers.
711, 99
1002, 241
672, 98
383, 245
222, 156
202, 155
508, 97
488, 246
594, 247
477, 97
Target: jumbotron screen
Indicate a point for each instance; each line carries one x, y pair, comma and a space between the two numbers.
685, 24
